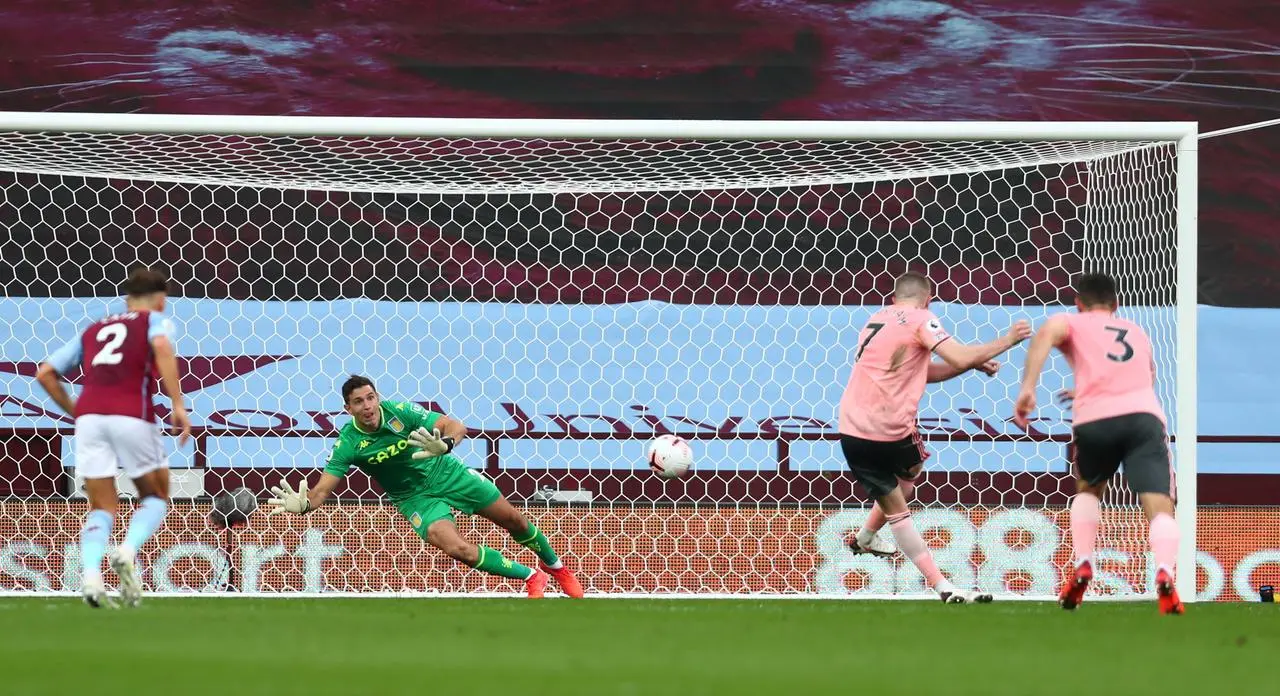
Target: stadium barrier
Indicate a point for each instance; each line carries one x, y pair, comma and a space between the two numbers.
700, 550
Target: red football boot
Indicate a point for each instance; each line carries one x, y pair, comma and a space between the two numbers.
1073, 592
1167, 595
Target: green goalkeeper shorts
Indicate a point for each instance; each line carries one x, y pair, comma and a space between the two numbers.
461, 489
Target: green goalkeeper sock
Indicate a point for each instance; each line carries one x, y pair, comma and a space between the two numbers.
537, 542
492, 562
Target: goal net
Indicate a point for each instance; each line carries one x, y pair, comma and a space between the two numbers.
568, 290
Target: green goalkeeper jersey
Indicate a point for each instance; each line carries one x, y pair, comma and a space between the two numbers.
387, 455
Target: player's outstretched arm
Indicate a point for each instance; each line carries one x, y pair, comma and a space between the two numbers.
940, 371
167, 366
324, 488
1051, 335
964, 358
303, 500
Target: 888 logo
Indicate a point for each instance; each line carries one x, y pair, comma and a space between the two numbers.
1006, 552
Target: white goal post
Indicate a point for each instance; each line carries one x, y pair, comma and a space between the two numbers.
569, 288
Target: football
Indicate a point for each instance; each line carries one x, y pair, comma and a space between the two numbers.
670, 456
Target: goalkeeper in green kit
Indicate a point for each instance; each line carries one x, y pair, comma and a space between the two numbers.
406, 449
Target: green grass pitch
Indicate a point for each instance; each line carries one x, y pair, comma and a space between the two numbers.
501, 647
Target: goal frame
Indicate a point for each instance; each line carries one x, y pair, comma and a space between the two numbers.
1184, 133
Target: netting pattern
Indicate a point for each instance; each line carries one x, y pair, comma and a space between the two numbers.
414, 165
568, 301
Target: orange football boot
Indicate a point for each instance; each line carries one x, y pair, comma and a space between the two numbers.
564, 578
536, 585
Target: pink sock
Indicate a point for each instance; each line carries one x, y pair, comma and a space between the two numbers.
1086, 513
913, 547
1164, 542
875, 521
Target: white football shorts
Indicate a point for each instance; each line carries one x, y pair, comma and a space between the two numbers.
108, 443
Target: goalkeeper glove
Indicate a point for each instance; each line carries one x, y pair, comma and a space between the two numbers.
430, 444
287, 500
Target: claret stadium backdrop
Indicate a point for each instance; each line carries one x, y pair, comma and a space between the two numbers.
711, 288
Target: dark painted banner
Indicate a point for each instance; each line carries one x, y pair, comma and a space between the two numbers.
878, 59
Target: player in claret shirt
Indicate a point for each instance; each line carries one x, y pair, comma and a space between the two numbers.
407, 450
1116, 418
120, 356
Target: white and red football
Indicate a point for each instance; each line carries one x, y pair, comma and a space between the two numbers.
670, 456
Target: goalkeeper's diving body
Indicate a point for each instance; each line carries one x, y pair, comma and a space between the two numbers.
407, 450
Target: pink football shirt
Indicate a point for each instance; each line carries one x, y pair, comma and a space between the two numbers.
890, 369
1113, 365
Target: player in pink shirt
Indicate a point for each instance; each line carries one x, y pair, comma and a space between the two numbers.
1116, 419
120, 356
878, 415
